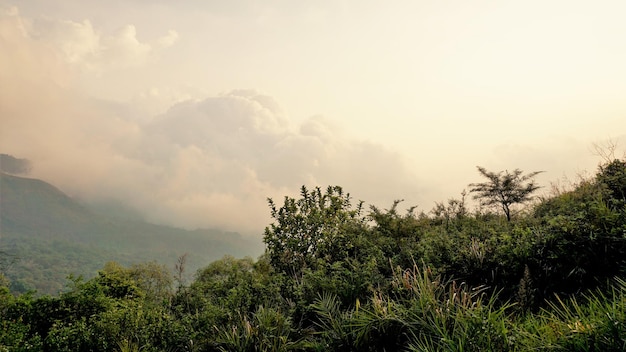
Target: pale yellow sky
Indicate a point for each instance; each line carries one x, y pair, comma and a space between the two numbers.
397, 99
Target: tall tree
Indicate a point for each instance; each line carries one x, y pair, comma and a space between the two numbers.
308, 228
504, 188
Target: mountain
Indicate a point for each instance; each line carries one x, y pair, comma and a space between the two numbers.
46, 236
13, 165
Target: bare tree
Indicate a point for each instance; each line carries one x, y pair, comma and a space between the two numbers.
607, 150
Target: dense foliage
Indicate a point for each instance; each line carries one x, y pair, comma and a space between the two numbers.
335, 277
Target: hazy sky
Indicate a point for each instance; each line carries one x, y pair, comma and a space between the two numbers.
196, 111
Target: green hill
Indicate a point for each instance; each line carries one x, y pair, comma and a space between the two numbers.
46, 236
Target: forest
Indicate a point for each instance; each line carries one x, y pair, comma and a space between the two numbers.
47, 235
516, 272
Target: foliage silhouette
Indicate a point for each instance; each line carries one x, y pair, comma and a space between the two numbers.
504, 188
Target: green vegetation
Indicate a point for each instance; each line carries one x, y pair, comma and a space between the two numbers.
48, 236
504, 190
335, 277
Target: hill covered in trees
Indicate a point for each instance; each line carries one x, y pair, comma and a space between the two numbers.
338, 277
46, 236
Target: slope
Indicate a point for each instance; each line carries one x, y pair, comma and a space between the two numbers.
51, 236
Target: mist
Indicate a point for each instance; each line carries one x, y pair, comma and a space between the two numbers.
101, 113
201, 163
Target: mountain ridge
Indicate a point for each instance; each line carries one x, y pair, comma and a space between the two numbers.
44, 228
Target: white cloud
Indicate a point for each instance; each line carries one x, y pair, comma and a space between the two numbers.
92, 50
157, 137
202, 163
167, 40
242, 145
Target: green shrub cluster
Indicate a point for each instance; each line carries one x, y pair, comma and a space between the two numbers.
336, 277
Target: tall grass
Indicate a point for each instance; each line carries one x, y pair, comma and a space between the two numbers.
447, 315
267, 330
423, 312
428, 313
594, 322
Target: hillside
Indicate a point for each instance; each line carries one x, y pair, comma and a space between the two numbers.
47, 236
337, 278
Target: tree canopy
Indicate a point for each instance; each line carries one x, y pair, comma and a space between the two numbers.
504, 188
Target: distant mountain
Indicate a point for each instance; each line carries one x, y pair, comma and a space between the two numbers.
13, 165
52, 236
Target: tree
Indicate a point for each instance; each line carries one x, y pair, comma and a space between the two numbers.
612, 178
6, 260
310, 228
320, 243
504, 188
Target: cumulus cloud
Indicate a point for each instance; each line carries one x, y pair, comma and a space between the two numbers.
92, 50
241, 148
201, 163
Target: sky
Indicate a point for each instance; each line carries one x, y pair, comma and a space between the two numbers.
194, 112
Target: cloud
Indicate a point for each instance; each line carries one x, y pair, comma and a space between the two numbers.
167, 40
91, 50
201, 163
241, 147
213, 161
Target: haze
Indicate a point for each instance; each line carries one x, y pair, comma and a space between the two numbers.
194, 112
